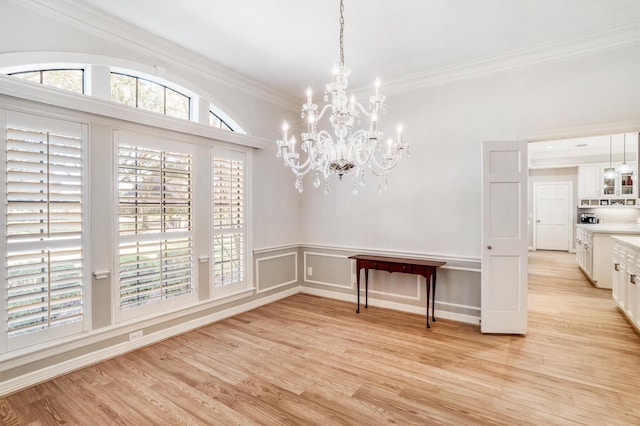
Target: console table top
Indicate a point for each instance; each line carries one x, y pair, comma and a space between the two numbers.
403, 260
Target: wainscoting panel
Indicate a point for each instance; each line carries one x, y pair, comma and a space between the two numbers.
326, 269
402, 286
276, 271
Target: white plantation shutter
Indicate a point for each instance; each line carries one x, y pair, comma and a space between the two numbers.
228, 220
44, 207
155, 224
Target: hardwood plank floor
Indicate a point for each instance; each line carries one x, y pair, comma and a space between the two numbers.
309, 360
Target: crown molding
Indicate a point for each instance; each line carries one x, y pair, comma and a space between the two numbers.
570, 47
87, 18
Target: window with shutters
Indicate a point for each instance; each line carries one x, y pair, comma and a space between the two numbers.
228, 222
155, 208
45, 261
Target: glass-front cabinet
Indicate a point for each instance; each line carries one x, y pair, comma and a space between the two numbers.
626, 184
597, 188
609, 187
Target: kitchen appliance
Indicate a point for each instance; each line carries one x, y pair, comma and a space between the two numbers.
587, 218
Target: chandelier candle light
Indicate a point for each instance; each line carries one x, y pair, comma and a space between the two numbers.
351, 151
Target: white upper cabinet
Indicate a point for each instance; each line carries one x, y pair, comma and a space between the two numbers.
594, 189
589, 181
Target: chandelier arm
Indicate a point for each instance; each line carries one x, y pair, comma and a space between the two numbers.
296, 167
322, 111
317, 152
363, 110
394, 162
361, 138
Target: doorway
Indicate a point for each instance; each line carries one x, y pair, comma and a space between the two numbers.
552, 212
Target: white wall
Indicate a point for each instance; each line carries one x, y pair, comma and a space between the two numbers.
433, 203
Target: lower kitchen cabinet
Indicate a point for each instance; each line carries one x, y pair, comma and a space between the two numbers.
625, 276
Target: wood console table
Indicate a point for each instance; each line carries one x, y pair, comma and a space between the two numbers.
426, 268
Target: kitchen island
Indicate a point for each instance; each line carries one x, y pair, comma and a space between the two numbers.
594, 248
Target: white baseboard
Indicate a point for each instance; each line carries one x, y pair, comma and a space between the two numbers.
38, 376
468, 319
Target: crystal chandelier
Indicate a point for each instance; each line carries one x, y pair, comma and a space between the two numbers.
348, 151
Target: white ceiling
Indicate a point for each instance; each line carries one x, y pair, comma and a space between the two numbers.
290, 44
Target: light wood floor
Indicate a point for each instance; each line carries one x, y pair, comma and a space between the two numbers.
309, 360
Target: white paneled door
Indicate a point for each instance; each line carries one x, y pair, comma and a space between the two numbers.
504, 237
552, 215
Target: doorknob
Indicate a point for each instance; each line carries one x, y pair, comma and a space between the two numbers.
538, 220
489, 247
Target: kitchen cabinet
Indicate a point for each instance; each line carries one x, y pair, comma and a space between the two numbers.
619, 253
626, 267
630, 284
589, 178
595, 190
594, 250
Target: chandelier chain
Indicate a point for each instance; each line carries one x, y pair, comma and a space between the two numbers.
341, 33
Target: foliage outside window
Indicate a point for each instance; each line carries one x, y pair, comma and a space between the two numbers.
148, 95
66, 79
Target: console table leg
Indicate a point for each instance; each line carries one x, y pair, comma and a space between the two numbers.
366, 288
358, 282
433, 297
426, 280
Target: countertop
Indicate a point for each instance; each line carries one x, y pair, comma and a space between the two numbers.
633, 242
611, 228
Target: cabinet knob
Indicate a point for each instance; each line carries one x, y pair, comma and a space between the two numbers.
375, 266
616, 266
632, 278
489, 247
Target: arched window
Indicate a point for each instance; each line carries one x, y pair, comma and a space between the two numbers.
127, 87
66, 79
148, 95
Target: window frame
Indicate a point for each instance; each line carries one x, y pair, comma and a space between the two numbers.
225, 125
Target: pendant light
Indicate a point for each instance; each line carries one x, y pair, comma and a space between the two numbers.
624, 168
610, 172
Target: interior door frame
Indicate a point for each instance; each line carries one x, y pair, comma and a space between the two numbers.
570, 209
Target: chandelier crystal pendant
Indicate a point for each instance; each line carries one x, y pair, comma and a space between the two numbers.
347, 151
